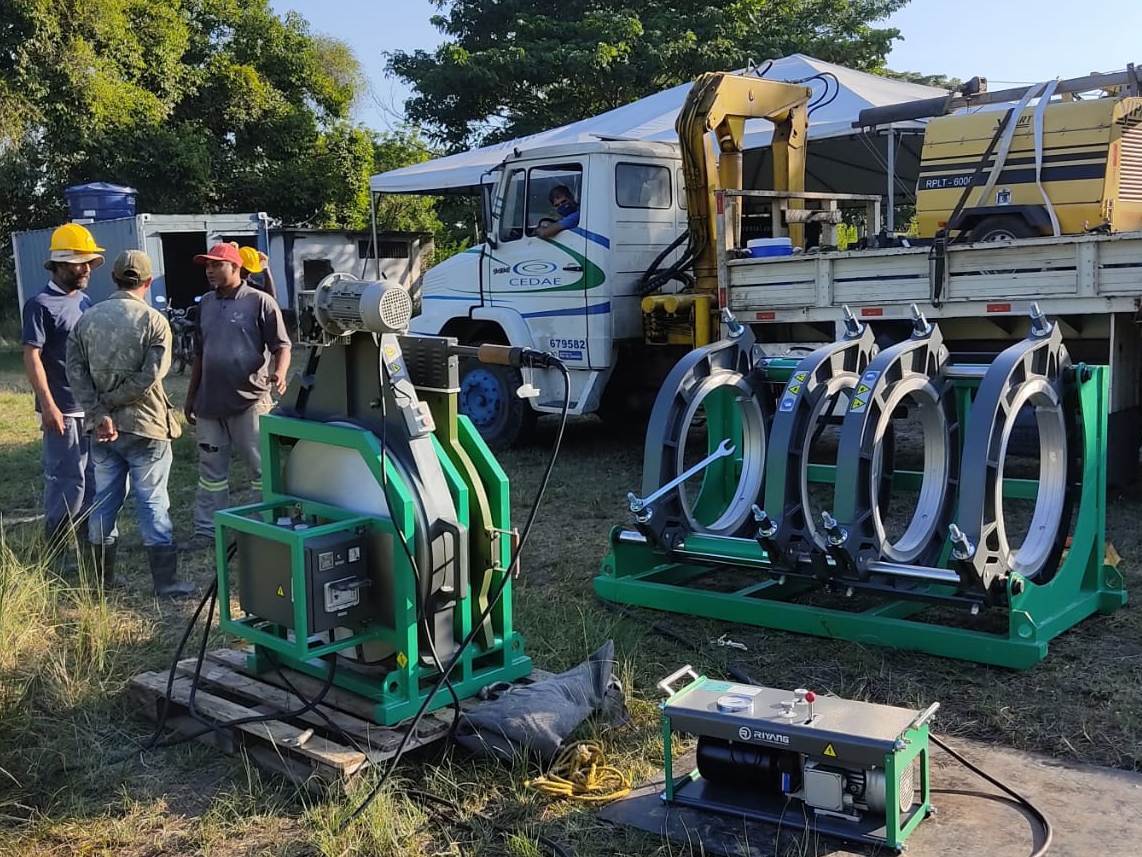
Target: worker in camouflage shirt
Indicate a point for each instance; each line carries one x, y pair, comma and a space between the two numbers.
117, 357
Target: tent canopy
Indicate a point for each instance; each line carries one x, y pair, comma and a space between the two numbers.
851, 162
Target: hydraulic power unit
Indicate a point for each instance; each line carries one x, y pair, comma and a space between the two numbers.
384, 525
854, 770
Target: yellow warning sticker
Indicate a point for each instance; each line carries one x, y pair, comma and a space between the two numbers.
280, 593
829, 751
801, 376
858, 404
861, 390
794, 389
402, 660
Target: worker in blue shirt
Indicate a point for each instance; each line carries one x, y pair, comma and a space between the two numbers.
48, 319
564, 203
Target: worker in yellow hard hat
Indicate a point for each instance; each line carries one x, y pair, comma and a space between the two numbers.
48, 319
256, 270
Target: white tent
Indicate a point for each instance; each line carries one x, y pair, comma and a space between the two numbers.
840, 159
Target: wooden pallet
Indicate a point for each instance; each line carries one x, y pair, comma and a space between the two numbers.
305, 748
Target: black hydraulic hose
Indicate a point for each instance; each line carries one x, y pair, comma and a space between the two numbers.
1040, 816
648, 282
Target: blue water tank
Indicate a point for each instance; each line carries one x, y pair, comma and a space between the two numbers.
100, 201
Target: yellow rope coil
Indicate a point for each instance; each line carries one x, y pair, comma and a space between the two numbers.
580, 772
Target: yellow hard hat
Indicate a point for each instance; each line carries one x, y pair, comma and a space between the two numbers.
251, 259
74, 243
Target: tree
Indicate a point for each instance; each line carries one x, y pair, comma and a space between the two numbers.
514, 67
202, 105
404, 147
940, 80
445, 217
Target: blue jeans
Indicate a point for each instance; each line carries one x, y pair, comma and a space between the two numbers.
148, 464
69, 482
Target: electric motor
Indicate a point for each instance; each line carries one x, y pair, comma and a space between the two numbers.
343, 304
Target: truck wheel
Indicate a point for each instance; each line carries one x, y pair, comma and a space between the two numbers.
1002, 227
488, 397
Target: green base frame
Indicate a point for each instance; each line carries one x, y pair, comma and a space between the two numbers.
475, 479
639, 574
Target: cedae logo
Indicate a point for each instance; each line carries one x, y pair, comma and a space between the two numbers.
535, 272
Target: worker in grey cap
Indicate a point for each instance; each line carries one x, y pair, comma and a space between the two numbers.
117, 357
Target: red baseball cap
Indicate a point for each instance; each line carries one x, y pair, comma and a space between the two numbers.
223, 251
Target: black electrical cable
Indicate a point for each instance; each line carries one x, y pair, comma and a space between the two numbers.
167, 702
492, 601
212, 725
1040, 816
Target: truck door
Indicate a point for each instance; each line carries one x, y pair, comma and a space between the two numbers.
548, 280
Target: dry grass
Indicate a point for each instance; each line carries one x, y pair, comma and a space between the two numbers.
66, 655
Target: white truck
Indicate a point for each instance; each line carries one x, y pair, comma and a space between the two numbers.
574, 293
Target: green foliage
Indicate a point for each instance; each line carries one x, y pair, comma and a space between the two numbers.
940, 80
509, 68
392, 150
203, 105
447, 218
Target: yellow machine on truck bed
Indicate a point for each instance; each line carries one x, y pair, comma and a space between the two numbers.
1041, 167
1090, 170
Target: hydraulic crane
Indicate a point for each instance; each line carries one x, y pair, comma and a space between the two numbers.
721, 103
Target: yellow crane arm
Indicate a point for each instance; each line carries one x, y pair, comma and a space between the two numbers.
722, 103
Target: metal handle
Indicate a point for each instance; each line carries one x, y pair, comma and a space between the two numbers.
664, 685
925, 715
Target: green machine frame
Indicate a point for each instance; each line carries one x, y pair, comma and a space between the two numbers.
480, 492
636, 572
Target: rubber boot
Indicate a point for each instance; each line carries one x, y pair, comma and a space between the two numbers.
103, 564
163, 560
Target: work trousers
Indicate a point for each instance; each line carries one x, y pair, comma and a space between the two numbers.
218, 441
144, 465
68, 479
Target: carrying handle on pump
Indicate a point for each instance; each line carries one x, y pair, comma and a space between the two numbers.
924, 716
665, 684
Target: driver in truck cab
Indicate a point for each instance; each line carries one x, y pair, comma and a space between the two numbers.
564, 203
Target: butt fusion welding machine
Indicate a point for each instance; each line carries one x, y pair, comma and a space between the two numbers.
854, 770
384, 523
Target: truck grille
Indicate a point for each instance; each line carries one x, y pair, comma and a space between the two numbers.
1130, 170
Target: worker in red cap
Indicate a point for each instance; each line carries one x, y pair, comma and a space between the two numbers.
243, 355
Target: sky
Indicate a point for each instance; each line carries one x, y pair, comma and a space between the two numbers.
1006, 41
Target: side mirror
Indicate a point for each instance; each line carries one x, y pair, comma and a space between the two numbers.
486, 192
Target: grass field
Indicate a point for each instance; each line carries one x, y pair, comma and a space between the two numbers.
66, 656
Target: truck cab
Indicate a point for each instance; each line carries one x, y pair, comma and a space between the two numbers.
574, 293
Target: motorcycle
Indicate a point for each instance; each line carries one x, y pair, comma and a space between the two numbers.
184, 332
